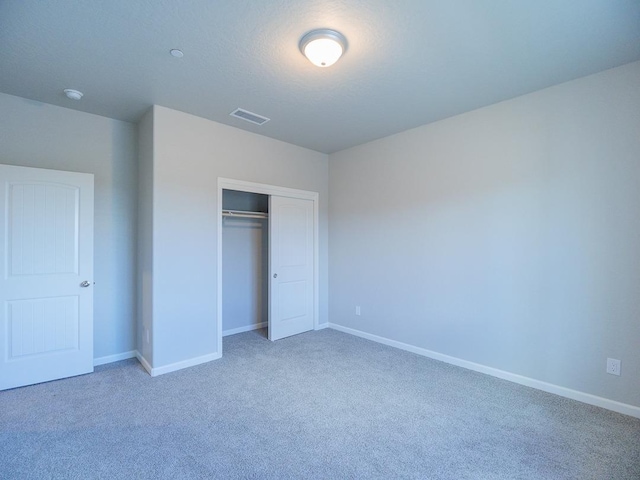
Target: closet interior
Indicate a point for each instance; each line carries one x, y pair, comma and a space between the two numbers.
245, 261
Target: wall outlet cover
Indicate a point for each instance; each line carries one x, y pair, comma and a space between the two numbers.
613, 366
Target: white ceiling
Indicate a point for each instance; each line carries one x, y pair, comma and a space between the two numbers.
409, 62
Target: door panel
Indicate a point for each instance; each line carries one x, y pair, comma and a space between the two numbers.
46, 328
291, 266
42, 325
42, 227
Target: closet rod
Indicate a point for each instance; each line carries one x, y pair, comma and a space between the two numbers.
243, 214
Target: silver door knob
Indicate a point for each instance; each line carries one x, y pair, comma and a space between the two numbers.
85, 284
275, 275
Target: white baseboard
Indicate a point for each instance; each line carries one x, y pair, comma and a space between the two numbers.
619, 407
114, 358
172, 367
144, 363
256, 326
248, 328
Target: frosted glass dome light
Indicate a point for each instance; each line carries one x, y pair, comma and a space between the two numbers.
324, 47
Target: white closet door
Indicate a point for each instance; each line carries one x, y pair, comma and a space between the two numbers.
46, 269
291, 266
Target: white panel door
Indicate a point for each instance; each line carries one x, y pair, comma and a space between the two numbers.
46, 269
291, 266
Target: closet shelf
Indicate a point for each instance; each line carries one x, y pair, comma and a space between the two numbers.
243, 214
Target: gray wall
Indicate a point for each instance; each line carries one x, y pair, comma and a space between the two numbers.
508, 236
189, 154
34, 134
145, 237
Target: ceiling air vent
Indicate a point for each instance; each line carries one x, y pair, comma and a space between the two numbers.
249, 116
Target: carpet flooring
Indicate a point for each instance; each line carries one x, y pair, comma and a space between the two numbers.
321, 405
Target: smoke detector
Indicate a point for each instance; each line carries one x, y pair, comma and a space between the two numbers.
73, 94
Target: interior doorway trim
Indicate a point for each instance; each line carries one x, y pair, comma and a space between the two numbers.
251, 187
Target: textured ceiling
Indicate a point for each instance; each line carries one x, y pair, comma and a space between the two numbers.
408, 62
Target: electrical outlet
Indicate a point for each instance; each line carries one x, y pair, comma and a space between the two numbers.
613, 366
358, 310
147, 332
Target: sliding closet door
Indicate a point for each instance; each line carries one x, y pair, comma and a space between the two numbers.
290, 266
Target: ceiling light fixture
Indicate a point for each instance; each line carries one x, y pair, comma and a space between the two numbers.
73, 94
176, 53
323, 47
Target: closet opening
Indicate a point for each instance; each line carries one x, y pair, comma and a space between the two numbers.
267, 269
245, 262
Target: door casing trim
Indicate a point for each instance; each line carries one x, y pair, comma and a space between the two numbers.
265, 189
